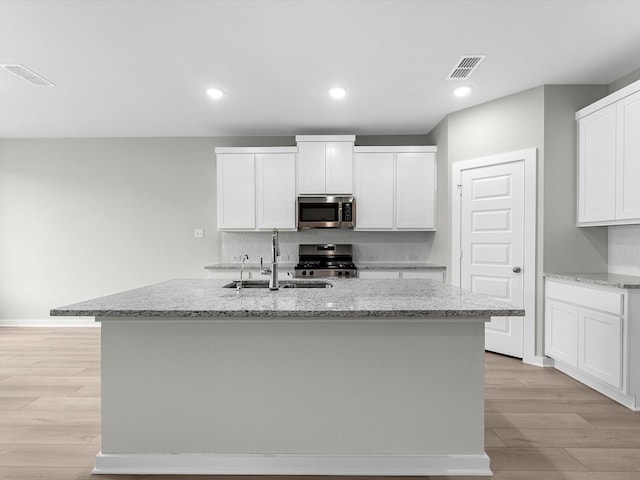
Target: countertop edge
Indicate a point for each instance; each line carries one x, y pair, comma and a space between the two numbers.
364, 315
360, 265
604, 279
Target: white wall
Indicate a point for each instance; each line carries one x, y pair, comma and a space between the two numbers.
624, 249
367, 246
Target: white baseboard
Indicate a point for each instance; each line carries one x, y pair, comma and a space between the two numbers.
49, 322
539, 361
293, 464
628, 401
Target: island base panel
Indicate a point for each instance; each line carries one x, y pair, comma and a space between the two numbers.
293, 389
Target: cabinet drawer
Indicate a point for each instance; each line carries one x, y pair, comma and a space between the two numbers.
424, 274
595, 298
379, 274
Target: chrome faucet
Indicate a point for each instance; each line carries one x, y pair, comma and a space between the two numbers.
239, 285
275, 253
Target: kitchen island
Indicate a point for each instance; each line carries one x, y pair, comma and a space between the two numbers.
368, 377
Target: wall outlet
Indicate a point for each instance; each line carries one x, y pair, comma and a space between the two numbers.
198, 232
412, 258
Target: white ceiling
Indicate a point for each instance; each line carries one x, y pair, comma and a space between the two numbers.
140, 68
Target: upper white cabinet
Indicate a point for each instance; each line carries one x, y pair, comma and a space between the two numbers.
236, 191
325, 164
597, 166
628, 159
395, 188
256, 188
609, 159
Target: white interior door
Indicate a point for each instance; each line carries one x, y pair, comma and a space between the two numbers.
492, 245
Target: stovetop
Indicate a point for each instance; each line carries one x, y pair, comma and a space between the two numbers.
326, 260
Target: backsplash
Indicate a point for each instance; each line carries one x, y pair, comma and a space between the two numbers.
624, 249
367, 246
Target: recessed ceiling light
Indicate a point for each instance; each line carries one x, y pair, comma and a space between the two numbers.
338, 92
215, 93
462, 91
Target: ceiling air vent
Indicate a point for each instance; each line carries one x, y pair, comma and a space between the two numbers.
465, 66
26, 74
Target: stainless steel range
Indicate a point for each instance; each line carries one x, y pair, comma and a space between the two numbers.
325, 260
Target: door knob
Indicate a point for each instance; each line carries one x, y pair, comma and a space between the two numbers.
516, 269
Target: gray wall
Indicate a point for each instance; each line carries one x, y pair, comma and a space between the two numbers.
624, 81
566, 247
542, 118
81, 218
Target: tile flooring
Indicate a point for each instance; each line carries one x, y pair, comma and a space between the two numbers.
540, 424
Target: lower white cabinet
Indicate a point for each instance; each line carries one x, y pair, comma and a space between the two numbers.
426, 274
590, 332
600, 346
561, 331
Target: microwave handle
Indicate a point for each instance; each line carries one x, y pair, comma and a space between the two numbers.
340, 214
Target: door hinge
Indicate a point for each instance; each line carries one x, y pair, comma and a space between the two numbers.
459, 189
461, 254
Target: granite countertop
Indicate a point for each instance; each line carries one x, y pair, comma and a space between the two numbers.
248, 266
348, 298
607, 279
361, 266
399, 266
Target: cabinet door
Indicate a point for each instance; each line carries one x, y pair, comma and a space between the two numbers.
561, 332
424, 274
415, 191
276, 190
374, 191
600, 346
628, 158
597, 166
339, 167
379, 274
311, 167
236, 191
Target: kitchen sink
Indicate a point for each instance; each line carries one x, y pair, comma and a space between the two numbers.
283, 284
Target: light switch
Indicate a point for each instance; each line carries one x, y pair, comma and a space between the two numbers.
198, 232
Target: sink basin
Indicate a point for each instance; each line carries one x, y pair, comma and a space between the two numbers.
283, 284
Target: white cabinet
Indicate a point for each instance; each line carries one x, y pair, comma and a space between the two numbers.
561, 331
256, 188
395, 188
424, 274
276, 190
589, 332
325, 164
379, 274
609, 159
375, 191
628, 159
416, 191
420, 273
236, 191
600, 346
597, 166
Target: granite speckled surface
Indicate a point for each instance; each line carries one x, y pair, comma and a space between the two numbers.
348, 298
399, 266
361, 266
607, 279
248, 267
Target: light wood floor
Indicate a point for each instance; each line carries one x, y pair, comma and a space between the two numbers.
540, 424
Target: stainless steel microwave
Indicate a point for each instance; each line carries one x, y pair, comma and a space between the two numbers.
326, 211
